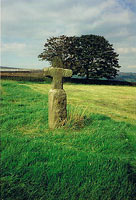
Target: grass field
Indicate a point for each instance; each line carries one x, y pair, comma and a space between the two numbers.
93, 157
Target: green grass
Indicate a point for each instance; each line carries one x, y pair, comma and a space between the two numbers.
93, 157
117, 102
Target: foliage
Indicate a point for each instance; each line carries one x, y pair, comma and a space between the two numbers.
95, 161
87, 55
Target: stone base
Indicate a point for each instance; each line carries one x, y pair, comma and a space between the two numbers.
57, 108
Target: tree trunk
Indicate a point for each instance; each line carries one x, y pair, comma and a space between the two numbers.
87, 74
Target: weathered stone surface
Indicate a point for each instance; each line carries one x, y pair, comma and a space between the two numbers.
57, 74
57, 114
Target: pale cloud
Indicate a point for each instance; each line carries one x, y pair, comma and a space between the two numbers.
26, 24
124, 32
27, 19
14, 47
126, 50
132, 66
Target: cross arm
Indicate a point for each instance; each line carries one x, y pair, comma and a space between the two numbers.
47, 71
59, 72
67, 73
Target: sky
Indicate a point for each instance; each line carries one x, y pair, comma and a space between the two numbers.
27, 24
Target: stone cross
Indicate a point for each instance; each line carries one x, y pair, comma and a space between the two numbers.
57, 74
57, 113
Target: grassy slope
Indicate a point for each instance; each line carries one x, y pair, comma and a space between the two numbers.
93, 157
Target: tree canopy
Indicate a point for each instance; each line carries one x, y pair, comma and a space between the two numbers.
87, 55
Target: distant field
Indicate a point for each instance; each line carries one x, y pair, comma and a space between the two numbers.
93, 157
117, 102
130, 77
36, 73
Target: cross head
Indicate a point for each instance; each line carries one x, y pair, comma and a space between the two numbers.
57, 74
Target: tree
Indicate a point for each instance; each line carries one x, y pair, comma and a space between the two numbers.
88, 55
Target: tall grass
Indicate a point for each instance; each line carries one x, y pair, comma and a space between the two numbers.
92, 157
76, 117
